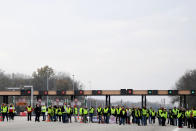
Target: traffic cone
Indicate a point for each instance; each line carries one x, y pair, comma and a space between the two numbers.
1, 118
81, 120
48, 119
78, 117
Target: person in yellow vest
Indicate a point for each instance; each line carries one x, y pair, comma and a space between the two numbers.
153, 116
180, 117
50, 113
91, 114
43, 110
11, 111
81, 113
175, 113
75, 112
99, 113
85, 113
164, 117
4, 111
113, 111
55, 108
29, 110
69, 112
159, 112
150, 115
138, 115
118, 110
144, 116
193, 114
105, 114
60, 113
123, 116
64, 113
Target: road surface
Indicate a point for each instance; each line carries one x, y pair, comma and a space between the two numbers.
20, 124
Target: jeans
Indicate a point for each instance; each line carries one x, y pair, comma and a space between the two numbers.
100, 118
44, 116
138, 120
91, 117
64, 117
150, 119
122, 120
144, 121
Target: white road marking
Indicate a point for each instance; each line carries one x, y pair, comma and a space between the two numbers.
176, 129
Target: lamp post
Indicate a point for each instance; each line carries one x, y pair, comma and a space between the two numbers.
30, 86
73, 82
47, 88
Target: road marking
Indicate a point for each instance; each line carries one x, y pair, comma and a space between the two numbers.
176, 129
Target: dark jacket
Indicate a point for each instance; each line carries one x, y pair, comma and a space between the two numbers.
37, 110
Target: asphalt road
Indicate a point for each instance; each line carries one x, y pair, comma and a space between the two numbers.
20, 124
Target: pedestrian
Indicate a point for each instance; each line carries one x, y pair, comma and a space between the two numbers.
43, 110
29, 110
75, 112
144, 116
99, 113
193, 114
118, 110
4, 111
153, 116
175, 113
85, 113
123, 116
91, 114
37, 111
164, 117
11, 111
180, 117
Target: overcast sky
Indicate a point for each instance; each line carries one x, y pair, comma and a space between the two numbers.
139, 44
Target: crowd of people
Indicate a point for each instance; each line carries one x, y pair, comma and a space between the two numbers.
123, 115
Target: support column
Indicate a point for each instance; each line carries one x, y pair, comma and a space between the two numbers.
185, 105
142, 101
109, 102
5, 99
145, 100
106, 100
180, 101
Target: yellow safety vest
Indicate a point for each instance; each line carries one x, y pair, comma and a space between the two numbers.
106, 110
43, 108
29, 109
112, 111
5, 109
85, 111
194, 113
75, 110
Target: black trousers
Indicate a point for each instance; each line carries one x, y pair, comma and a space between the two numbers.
60, 116
189, 122
37, 117
5, 115
180, 122
29, 116
117, 119
11, 115
153, 119
163, 121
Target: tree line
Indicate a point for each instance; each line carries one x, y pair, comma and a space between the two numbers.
39, 79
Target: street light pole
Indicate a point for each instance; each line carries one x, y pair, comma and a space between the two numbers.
47, 89
73, 83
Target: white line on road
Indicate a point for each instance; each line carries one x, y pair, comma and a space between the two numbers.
176, 129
